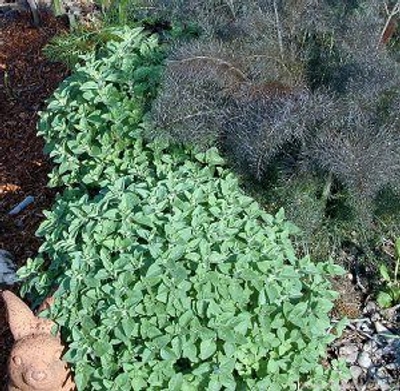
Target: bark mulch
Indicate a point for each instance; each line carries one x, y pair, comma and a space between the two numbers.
27, 79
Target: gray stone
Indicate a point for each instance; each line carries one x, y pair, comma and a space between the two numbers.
370, 307
369, 346
364, 360
382, 379
380, 328
7, 269
356, 372
349, 353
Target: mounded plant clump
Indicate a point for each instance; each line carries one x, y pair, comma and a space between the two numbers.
181, 282
93, 120
166, 275
302, 98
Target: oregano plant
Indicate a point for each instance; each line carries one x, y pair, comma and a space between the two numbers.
90, 123
179, 281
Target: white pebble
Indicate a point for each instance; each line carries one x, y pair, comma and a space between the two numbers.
364, 360
349, 353
355, 372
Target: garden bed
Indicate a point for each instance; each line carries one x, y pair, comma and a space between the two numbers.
26, 80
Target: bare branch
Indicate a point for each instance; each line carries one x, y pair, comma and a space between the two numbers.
219, 62
389, 25
278, 28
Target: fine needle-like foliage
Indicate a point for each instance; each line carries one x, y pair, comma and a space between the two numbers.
297, 93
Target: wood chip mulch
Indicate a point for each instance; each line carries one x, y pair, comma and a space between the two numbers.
27, 79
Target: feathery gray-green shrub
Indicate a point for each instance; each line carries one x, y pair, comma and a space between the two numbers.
293, 91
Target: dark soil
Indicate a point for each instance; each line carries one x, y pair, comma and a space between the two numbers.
27, 79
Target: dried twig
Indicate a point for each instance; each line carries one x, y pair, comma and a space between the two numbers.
390, 25
219, 62
279, 28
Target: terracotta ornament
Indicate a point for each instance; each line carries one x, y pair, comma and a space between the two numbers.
35, 361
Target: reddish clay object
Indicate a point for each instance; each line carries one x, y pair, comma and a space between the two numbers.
35, 361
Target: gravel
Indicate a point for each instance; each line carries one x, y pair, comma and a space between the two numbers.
371, 348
